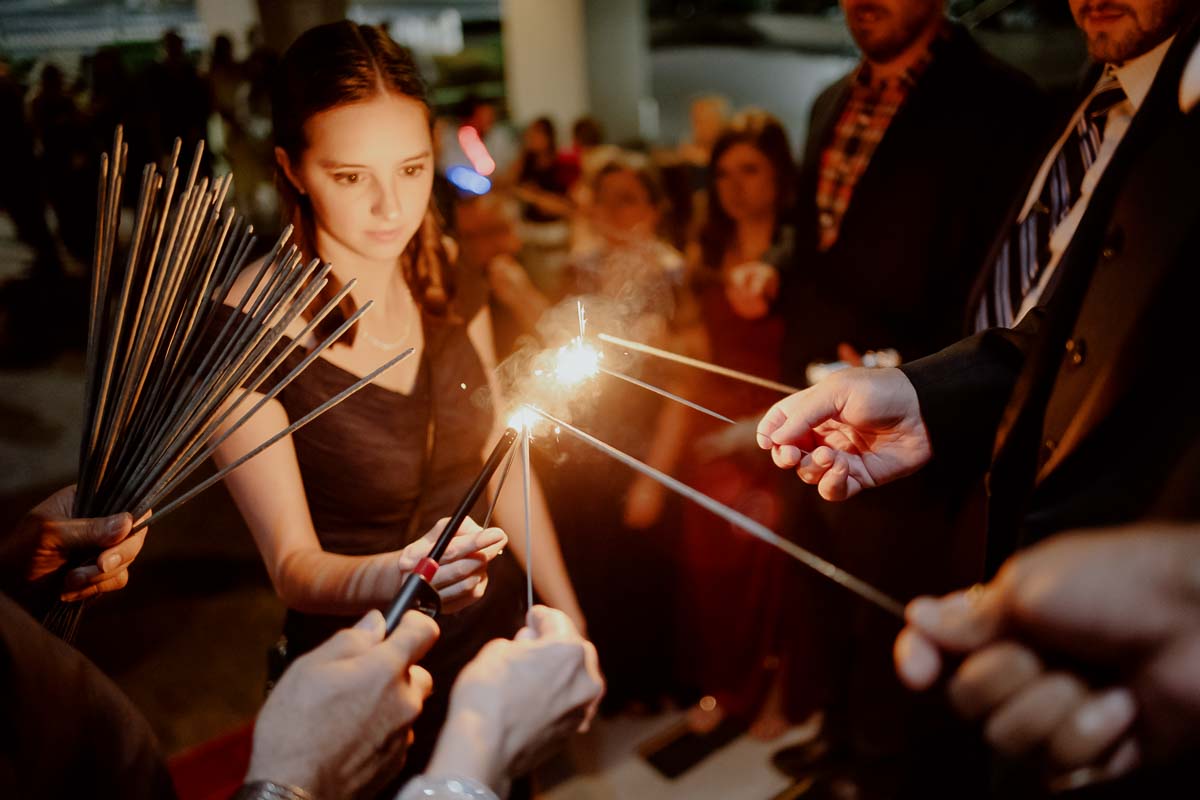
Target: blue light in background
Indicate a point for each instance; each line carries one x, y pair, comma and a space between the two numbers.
468, 180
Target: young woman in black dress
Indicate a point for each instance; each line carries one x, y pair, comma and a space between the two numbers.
338, 508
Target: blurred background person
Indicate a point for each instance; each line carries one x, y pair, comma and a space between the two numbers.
176, 101
542, 176
731, 640
633, 281
224, 79
66, 161
488, 245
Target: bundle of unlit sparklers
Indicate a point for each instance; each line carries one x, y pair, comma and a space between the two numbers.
166, 372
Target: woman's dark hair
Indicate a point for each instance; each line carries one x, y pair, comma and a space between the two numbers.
645, 173
765, 134
332, 65
587, 132
547, 130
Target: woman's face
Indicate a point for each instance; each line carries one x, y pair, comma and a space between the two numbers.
745, 181
622, 204
536, 139
368, 171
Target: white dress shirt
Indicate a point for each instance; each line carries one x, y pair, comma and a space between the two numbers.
1189, 87
1135, 77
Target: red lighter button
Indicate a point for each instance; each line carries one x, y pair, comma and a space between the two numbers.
426, 568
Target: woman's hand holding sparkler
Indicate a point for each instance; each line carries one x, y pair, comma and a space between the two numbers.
856, 429
518, 698
47, 539
462, 576
340, 719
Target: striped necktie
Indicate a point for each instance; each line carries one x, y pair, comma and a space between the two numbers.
1025, 252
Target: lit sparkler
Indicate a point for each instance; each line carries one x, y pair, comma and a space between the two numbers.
576, 362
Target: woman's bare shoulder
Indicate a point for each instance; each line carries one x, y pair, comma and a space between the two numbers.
246, 289
246, 285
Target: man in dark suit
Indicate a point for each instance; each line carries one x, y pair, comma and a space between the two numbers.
908, 168
1083, 414
909, 163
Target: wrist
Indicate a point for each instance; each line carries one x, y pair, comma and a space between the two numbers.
469, 746
425, 787
296, 774
270, 790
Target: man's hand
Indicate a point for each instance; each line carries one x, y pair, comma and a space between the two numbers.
856, 429
518, 698
1123, 604
462, 576
340, 719
750, 289
47, 539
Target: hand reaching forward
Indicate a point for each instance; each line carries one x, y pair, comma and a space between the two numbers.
856, 429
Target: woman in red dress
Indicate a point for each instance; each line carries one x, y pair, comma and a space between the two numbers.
733, 584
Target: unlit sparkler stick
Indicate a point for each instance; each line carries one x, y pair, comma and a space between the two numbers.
740, 520
528, 535
666, 394
737, 375
487, 521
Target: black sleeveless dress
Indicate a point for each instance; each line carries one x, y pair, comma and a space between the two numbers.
381, 468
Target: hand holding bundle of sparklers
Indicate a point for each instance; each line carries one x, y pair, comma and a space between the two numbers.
164, 373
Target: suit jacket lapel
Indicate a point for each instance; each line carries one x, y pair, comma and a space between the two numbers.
1158, 108
1142, 282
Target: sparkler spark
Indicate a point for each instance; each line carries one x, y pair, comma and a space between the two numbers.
522, 419
576, 362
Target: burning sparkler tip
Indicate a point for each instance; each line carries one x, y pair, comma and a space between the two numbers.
522, 419
576, 362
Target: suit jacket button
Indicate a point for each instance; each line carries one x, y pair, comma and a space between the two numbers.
1112, 244
1076, 351
1048, 449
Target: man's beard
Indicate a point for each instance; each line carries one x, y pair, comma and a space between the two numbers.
882, 43
1133, 40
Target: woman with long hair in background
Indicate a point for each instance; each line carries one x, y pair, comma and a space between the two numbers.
732, 639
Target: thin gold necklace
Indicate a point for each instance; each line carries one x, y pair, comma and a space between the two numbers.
402, 340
